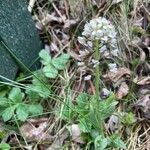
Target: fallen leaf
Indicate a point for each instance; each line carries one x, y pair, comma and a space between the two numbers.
35, 130
115, 76
51, 18
74, 55
143, 104
76, 134
143, 80
142, 56
146, 41
122, 90
68, 23
59, 140
143, 90
113, 123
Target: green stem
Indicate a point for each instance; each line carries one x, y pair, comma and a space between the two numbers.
97, 86
97, 70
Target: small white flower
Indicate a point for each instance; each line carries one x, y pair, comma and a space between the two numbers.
115, 52
93, 24
113, 41
113, 67
100, 33
93, 35
90, 44
102, 30
105, 27
105, 38
111, 35
99, 25
105, 21
103, 49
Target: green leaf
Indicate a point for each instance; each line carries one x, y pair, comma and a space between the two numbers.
60, 61
39, 86
116, 142
50, 71
107, 107
33, 96
85, 124
22, 113
3, 134
94, 133
95, 116
51, 66
119, 143
4, 102
82, 100
82, 106
4, 146
16, 95
8, 113
39, 78
42, 90
3, 91
128, 118
100, 143
35, 109
46, 58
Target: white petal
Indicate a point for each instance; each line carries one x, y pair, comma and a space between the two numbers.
115, 52
103, 48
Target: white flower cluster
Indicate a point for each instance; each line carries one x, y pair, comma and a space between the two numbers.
100, 29
112, 67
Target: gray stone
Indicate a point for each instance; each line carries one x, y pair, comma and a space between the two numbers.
18, 31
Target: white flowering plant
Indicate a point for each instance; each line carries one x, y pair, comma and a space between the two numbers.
99, 39
104, 32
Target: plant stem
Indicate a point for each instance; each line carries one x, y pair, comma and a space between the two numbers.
97, 70
97, 86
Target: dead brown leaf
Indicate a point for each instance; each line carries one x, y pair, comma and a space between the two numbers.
143, 80
143, 104
122, 90
35, 130
113, 123
76, 134
146, 41
59, 140
115, 76
69, 22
